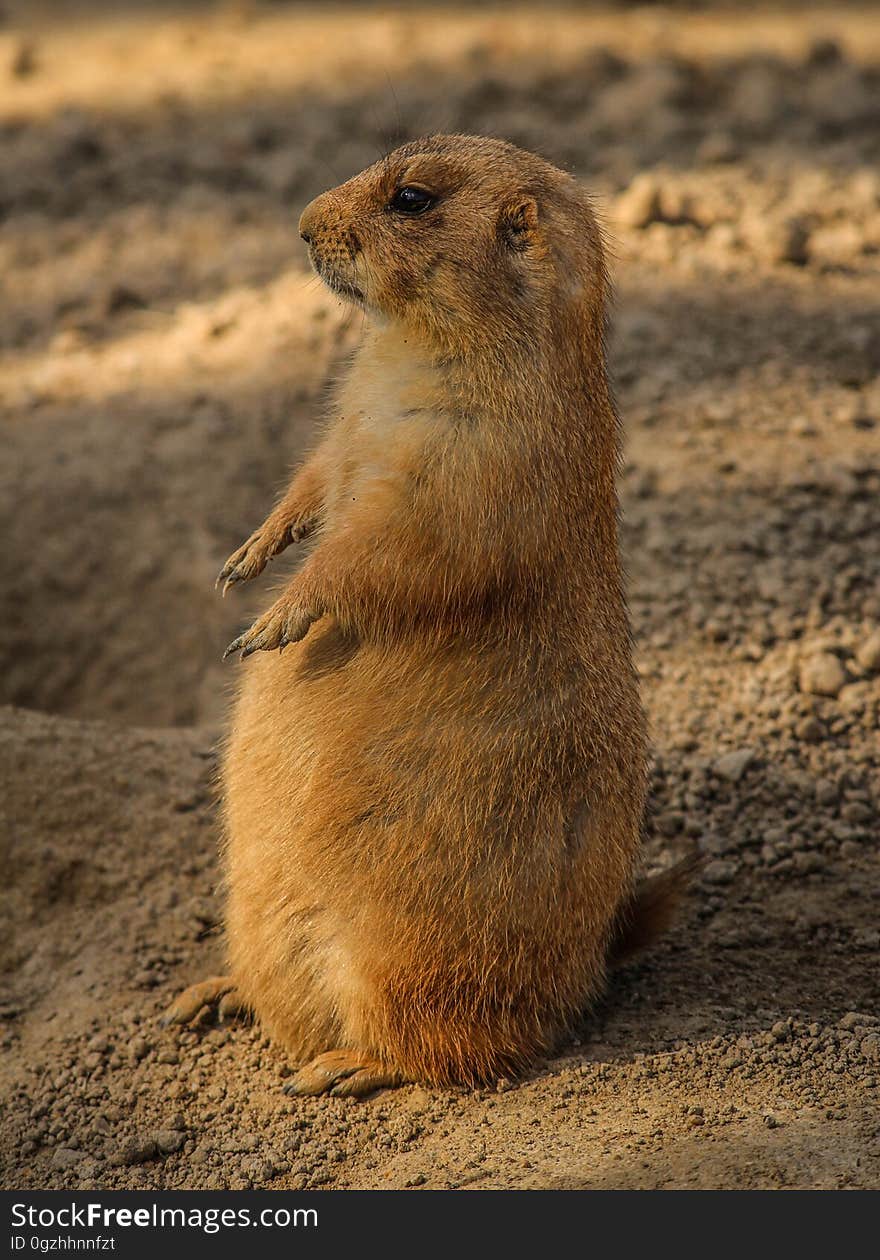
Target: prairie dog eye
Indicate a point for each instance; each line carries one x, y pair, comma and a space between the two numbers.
410, 200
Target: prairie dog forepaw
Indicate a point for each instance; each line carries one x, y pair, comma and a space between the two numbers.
285, 622
343, 1073
251, 558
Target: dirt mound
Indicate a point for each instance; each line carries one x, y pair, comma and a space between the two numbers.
742, 1052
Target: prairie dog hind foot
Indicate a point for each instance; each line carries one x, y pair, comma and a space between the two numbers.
218, 993
344, 1074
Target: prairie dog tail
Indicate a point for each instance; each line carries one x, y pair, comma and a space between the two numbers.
652, 908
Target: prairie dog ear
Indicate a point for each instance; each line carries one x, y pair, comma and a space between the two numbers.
518, 223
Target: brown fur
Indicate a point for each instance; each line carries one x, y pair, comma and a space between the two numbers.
652, 907
434, 796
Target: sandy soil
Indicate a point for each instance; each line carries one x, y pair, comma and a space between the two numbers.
163, 359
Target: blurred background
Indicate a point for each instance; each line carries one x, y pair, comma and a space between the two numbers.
164, 351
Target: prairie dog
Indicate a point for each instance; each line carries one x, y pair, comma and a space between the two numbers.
434, 794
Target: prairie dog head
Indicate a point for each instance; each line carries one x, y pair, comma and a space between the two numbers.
462, 239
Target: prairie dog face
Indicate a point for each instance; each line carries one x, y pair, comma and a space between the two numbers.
460, 238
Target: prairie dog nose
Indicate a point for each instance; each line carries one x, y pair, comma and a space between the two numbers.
308, 220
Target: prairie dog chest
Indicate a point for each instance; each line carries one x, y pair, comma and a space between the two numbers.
392, 415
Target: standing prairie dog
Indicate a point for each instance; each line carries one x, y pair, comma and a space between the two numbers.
435, 792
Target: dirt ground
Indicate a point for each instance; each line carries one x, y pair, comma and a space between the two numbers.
163, 360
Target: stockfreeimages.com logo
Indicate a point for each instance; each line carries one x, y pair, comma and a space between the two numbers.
208, 1220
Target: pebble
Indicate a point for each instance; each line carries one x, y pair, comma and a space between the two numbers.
870, 1048
234, 1145
639, 204
169, 1140
856, 1019
782, 240
719, 872
808, 863
868, 654
826, 792
856, 812
733, 765
137, 1150
64, 1157
822, 675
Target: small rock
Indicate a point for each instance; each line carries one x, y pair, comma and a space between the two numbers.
856, 812
137, 1150
775, 835
64, 1157
260, 1170
854, 697
168, 1140
868, 654
808, 863
676, 206
719, 872
235, 1145
782, 240
810, 731
826, 792
870, 1048
855, 1019
822, 675
733, 765
137, 1048
639, 204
